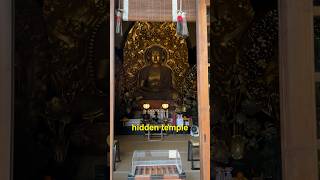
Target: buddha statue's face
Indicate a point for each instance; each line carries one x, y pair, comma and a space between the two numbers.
155, 58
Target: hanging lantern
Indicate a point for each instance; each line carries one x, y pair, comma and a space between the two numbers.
146, 106
237, 147
165, 106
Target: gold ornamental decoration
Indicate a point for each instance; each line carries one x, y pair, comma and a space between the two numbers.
144, 35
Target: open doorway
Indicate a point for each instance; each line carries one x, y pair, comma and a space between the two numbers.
155, 81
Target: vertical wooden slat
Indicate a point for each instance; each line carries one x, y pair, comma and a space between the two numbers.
6, 89
203, 89
297, 90
112, 58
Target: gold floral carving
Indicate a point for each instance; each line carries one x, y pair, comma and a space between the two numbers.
146, 34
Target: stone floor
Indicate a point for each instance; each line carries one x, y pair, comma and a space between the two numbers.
130, 143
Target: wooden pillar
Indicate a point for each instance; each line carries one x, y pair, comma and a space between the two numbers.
297, 90
203, 89
112, 58
5, 88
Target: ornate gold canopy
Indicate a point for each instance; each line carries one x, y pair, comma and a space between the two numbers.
146, 34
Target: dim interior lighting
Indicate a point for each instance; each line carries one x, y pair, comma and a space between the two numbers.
165, 106
146, 106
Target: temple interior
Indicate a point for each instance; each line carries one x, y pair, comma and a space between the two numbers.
62, 103
157, 69
156, 79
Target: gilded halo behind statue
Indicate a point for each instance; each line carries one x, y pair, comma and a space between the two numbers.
155, 62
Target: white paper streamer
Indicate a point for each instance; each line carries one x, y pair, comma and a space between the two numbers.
125, 10
174, 10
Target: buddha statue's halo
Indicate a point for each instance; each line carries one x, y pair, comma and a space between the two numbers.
139, 39
156, 47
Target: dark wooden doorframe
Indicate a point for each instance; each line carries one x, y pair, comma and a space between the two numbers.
6, 89
112, 77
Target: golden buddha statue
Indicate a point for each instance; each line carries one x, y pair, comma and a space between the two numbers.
155, 80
